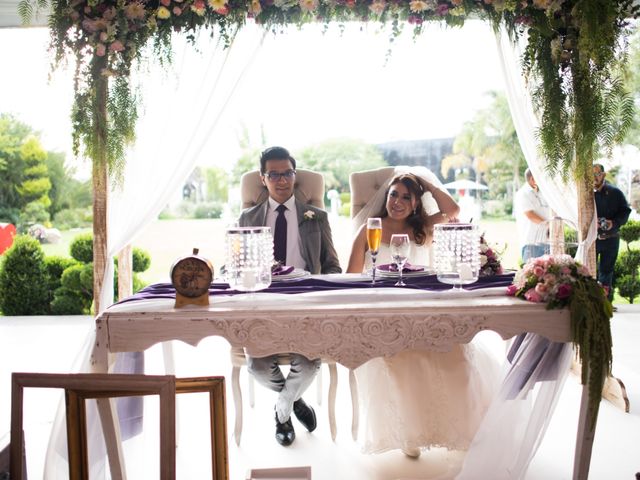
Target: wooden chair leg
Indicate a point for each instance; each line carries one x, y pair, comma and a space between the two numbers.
237, 402
355, 406
333, 387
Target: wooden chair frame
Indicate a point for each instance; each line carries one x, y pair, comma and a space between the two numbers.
102, 387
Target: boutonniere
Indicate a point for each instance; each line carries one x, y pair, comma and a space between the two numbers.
308, 215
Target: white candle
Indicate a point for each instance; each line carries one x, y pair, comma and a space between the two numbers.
465, 272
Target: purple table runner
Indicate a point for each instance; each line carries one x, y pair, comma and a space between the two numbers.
315, 284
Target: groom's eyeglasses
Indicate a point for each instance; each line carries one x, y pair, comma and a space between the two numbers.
276, 176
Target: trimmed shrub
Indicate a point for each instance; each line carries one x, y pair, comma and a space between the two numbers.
23, 279
628, 287
55, 266
67, 302
627, 277
76, 292
81, 248
630, 231
141, 260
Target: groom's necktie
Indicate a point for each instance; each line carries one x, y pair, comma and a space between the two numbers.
280, 236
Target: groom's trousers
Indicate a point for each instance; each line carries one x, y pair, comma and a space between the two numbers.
269, 374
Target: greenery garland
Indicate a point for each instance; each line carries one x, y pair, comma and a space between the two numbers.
560, 281
574, 50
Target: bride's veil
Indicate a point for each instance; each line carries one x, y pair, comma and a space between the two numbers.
374, 206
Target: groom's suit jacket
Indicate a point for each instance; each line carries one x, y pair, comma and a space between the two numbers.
317, 247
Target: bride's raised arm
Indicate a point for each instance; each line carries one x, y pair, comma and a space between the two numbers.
448, 207
358, 249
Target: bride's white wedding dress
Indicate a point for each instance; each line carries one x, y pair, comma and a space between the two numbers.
421, 399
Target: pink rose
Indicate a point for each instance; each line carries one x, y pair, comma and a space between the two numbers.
177, 11
100, 50
165, 3
511, 290
116, 46
549, 278
538, 271
565, 270
542, 288
532, 296
564, 291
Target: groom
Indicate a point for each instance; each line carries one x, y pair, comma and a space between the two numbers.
302, 239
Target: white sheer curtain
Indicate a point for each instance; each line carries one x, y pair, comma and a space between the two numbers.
516, 422
561, 197
182, 110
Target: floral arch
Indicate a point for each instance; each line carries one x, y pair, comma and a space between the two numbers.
574, 59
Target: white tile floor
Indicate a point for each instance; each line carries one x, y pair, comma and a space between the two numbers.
49, 344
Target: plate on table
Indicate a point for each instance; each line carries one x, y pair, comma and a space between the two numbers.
295, 274
389, 270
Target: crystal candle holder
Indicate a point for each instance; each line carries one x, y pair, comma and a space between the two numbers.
248, 258
457, 253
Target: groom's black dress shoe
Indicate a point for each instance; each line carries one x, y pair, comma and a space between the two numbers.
285, 434
305, 414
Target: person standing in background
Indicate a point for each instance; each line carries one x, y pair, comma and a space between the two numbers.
613, 212
532, 214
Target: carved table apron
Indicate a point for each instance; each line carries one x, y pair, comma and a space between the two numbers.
348, 326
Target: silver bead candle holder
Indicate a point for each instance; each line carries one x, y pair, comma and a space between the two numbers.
249, 257
457, 253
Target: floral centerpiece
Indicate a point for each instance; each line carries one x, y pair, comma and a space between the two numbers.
560, 281
489, 259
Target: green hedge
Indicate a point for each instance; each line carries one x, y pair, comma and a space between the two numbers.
23, 279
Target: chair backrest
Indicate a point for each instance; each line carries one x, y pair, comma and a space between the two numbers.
309, 188
365, 184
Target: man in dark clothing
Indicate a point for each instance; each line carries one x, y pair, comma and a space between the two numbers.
613, 212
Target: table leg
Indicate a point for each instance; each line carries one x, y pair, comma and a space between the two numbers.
106, 406
584, 441
333, 388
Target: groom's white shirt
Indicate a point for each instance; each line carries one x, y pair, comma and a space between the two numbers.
294, 245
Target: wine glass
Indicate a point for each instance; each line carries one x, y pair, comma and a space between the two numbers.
399, 246
374, 236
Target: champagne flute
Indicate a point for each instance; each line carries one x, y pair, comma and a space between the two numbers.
374, 236
399, 246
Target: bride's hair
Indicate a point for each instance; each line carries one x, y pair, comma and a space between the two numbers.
418, 219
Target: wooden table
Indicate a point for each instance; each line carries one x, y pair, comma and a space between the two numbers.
348, 326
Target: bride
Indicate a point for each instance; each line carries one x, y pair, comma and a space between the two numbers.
418, 399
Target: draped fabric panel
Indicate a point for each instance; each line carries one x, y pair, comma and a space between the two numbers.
181, 112
561, 197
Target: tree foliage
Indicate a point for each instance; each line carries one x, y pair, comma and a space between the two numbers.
488, 147
338, 158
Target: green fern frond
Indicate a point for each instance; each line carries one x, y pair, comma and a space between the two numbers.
25, 10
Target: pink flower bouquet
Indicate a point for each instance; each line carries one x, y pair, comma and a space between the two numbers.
549, 279
560, 281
